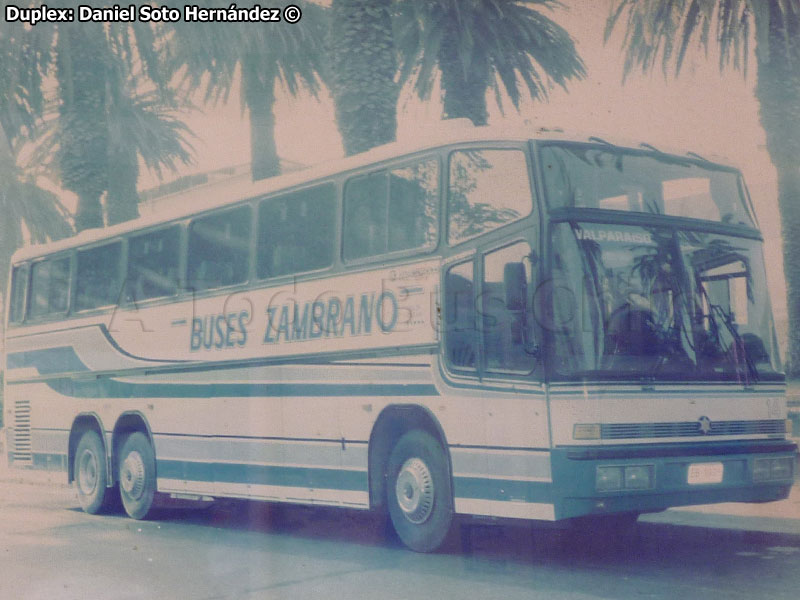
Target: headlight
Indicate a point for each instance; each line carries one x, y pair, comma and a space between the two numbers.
761, 469
639, 477
773, 469
628, 477
782, 468
608, 479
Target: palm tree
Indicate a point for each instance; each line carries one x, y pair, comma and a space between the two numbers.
662, 31
30, 214
478, 44
96, 67
141, 124
28, 211
363, 67
265, 55
82, 72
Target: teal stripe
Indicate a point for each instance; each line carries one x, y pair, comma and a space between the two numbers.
333, 479
503, 489
61, 359
111, 388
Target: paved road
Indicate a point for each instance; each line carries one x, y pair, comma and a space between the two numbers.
49, 549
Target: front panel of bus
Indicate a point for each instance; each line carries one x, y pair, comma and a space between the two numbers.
664, 378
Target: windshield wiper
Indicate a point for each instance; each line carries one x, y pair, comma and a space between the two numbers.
738, 342
669, 159
600, 140
700, 157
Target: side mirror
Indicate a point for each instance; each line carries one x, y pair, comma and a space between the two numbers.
533, 257
515, 286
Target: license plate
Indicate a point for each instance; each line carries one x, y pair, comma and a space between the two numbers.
700, 473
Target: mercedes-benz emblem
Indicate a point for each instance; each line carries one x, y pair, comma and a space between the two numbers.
704, 425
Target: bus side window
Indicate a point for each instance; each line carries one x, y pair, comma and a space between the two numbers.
413, 206
49, 287
487, 189
219, 249
19, 284
365, 218
296, 232
98, 279
461, 335
153, 265
392, 212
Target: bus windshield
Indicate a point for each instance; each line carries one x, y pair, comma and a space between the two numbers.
611, 178
660, 303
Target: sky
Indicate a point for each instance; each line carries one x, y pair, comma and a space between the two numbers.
705, 111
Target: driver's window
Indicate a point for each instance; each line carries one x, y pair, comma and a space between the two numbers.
489, 326
505, 310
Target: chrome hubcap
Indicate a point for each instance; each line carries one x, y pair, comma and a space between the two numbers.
87, 472
414, 490
131, 476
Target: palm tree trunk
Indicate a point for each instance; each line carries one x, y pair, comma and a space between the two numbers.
258, 89
122, 201
778, 93
464, 87
89, 213
363, 67
789, 206
83, 146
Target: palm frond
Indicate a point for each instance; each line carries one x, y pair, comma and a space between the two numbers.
519, 43
667, 30
33, 215
209, 55
147, 124
25, 56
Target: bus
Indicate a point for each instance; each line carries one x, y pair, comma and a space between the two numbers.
534, 326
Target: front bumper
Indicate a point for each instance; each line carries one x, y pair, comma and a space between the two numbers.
574, 471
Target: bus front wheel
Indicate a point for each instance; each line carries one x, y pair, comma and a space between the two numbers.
91, 475
137, 476
419, 493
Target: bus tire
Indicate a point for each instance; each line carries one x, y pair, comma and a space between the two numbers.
91, 475
137, 476
419, 494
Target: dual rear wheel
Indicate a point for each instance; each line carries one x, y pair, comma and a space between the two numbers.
137, 475
91, 475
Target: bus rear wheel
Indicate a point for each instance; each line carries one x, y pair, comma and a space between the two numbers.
137, 476
91, 475
418, 492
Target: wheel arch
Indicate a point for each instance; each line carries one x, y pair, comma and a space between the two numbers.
127, 423
83, 422
394, 421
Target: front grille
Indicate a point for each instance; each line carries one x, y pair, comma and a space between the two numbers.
622, 431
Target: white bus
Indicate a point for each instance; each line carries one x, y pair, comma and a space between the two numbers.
515, 327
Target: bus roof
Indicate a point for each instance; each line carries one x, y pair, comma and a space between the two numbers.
217, 194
